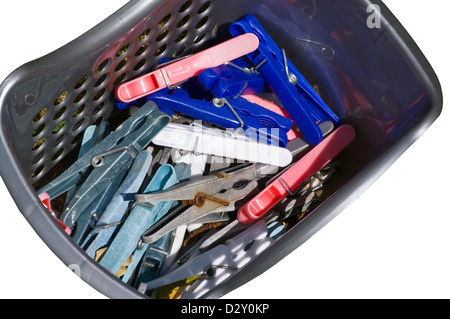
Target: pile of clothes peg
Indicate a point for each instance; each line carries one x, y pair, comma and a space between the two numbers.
221, 151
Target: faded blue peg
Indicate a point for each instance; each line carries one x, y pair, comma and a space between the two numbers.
139, 220
92, 136
156, 251
114, 213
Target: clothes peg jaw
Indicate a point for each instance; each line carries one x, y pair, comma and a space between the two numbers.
173, 74
45, 199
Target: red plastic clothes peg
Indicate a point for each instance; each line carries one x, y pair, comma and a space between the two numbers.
292, 178
177, 72
45, 199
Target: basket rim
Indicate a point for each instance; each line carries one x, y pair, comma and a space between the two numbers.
49, 231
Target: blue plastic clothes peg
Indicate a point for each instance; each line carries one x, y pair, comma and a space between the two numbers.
152, 261
140, 219
232, 80
294, 92
114, 213
237, 113
143, 218
107, 162
92, 136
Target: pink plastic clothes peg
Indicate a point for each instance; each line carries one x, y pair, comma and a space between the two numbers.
45, 199
177, 72
292, 134
292, 178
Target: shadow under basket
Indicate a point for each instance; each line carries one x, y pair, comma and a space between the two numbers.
375, 79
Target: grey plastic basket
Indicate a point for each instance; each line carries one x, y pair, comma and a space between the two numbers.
46, 105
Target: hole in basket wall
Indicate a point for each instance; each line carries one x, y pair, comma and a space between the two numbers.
59, 127
61, 98
185, 6
140, 64
58, 155
38, 158
98, 109
144, 35
101, 80
39, 115
79, 97
121, 65
163, 35
182, 36
204, 7
202, 23
38, 144
99, 95
123, 50
103, 67
77, 139
38, 171
164, 21
142, 50
58, 141
39, 130
161, 50
78, 111
81, 82
120, 79
60, 113
199, 38
78, 125
183, 21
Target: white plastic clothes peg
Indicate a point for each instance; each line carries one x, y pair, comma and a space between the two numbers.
208, 141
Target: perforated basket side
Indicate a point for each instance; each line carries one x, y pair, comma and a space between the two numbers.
56, 97
47, 104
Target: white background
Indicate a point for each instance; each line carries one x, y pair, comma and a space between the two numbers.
392, 242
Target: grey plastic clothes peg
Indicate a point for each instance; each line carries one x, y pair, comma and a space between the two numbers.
211, 195
209, 212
